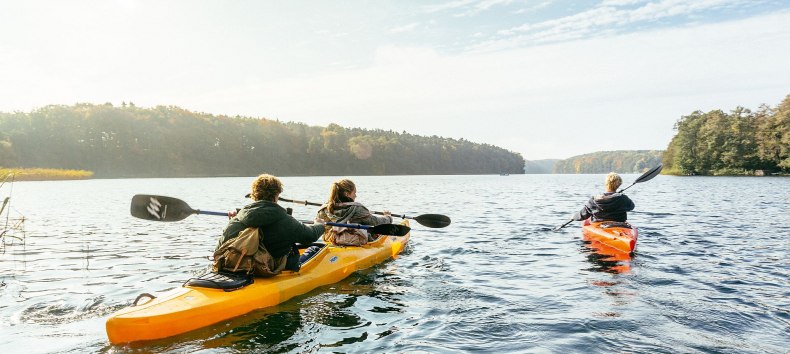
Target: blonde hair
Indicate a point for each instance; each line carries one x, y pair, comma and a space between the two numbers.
337, 194
266, 187
613, 181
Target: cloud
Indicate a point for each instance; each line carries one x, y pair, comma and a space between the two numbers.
621, 2
405, 28
604, 19
468, 7
535, 7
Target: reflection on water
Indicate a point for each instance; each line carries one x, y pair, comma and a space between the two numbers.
606, 259
496, 280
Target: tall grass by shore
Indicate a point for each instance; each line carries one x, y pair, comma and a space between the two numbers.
43, 174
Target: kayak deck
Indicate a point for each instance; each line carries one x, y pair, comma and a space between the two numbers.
612, 234
188, 308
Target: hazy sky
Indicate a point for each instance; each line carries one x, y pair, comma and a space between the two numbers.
547, 79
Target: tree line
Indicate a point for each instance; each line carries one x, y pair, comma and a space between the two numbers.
624, 161
168, 141
737, 143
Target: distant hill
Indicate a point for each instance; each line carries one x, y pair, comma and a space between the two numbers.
168, 141
622, 161
540, 166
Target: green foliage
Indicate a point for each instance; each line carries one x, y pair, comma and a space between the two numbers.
167, 141
738, 143
624, 161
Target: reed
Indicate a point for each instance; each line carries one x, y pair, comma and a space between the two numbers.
43, 174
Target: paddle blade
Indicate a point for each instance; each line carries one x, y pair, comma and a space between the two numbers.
390, 229
649, 174
645, 176
436, 221
159, 208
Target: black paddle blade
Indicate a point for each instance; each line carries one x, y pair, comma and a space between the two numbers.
390, 229
645, 176
435, 221
649, 174
160, 208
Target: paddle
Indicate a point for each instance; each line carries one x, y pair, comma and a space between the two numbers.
161, 208
435, 221
381, 229
643, 178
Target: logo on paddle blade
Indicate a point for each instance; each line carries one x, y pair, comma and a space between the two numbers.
155, 209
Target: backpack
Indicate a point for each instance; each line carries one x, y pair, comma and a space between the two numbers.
245, 253
343, 236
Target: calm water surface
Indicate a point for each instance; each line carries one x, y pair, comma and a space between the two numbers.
711, 272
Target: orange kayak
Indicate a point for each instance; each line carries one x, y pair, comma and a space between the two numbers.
620, 236
191, 307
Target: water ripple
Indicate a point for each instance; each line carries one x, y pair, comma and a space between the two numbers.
710, 273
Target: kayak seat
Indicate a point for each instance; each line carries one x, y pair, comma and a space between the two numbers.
223, 280
310, 252
608, 224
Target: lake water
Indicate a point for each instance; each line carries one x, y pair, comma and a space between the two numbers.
711, 272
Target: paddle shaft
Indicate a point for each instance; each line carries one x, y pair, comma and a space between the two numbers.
304, 202
384, 229
422, 220
218, 213
563, 225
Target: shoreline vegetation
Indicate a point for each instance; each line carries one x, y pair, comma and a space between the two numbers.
168, 141
738, 143
43, 174
103, 141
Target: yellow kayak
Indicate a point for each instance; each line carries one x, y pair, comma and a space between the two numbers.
191, 307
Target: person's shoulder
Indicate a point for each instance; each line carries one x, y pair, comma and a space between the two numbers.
349, 204
266, 207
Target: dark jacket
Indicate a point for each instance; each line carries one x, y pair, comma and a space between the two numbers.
606, 207
279, 231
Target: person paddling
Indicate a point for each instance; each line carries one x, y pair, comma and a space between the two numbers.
609, 206
279, 231
342, 208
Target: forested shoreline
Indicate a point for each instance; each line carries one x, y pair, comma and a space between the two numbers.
168, 141
741, 142
623, 161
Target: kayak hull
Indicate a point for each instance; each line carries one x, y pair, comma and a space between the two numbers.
189, 308
622, 239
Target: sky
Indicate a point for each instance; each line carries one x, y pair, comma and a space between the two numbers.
546, 79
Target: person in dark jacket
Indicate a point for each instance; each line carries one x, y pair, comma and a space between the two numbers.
342, 208
279, 231
609, 206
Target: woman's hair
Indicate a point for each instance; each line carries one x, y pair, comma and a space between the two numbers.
266, 187
337, 194
613, 181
